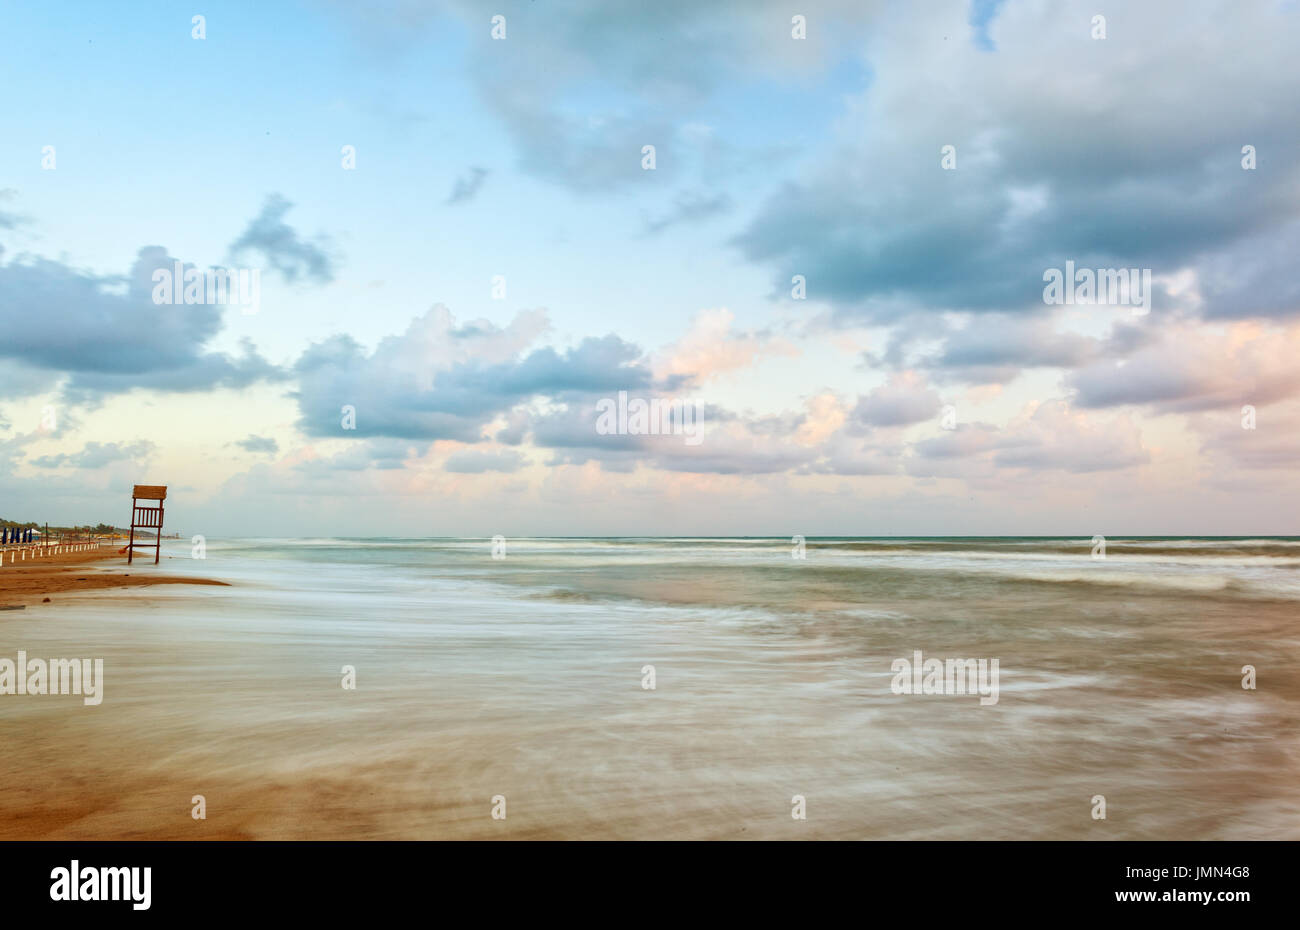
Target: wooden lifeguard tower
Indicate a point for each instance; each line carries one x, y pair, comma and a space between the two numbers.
146, 517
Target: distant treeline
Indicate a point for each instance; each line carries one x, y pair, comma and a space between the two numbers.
101, 529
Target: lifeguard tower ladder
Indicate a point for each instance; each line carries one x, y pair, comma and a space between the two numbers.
146, 518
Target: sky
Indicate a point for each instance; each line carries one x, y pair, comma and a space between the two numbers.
824, 226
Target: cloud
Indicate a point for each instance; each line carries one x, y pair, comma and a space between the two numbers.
824, 415
710, 347
9, 220
382, 454
688, 208
259, 444
467, 186
1046, 437
476, 462
103, 334
735, 452
846, 455
1122, 153
877, 226
982, 14
1273, 444
1056, 437
726, 455
904, 400
994, 348
722, 442
966, 440
439, 380
281, 247
580, 86
97, 455
1244, 280
1197, 367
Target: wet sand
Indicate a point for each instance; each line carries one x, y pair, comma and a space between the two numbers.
31, 580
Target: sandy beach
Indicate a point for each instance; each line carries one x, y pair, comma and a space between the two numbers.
29, 589
32, 580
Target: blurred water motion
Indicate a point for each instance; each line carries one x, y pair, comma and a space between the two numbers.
523, 677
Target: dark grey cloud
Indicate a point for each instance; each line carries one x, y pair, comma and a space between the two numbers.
208, 371
102, 334
338, 374
22, 380
1249, 278
467, 186
999, 340
281, 246
995, 348
879, 227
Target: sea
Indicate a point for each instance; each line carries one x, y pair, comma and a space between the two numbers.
672, 688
